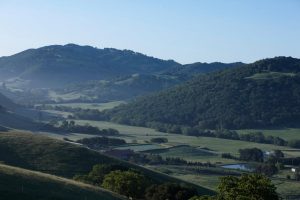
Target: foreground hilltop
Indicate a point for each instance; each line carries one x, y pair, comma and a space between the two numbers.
43, 154
263, 94
21, 184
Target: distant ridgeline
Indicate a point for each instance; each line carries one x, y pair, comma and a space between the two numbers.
56, 65
263, 94
76, 73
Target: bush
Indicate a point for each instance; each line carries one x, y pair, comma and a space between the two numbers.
96, 175
252, 154
266, 169
159, 140
98, 142
228, 156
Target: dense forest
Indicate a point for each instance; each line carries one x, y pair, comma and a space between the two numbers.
189, 70
263, 94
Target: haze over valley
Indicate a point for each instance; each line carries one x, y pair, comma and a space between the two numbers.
108, 100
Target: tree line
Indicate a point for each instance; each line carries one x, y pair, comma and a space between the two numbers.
72, 127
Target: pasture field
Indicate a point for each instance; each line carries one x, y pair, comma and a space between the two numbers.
59, 113
142, 147
208, 180
96, 106
142, 136
270, 75
66, 97
285, 133
218, 145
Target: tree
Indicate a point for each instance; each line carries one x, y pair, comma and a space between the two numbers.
267, 169
205, 197
128, 183
97, 174
170, 191
278, 154
252, 154
247, 187
159, 140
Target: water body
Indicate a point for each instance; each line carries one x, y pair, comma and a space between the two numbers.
239, 166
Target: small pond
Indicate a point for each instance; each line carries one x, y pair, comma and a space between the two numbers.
239, 166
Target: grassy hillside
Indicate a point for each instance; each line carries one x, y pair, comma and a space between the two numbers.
233, 99
125, 87
9, 118
48, 155
20, 184
13, 120
7, 103
52, 156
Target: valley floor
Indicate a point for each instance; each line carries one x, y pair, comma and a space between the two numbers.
200, 149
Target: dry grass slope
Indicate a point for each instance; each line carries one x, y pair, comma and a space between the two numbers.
17, 183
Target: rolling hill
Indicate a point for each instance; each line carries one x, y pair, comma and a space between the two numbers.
40, 153
7, 103
14, 116
263, 94
21, 184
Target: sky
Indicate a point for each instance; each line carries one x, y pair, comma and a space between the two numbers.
186, 31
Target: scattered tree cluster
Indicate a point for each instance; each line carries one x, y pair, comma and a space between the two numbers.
134, 184
101, 142
71, 127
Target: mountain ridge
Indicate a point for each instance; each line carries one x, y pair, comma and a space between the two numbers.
31, 74
90, 64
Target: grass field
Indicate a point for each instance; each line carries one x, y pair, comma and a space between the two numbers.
285, 133
66, 97
96, 106
183, 151
142, 147
218, 145
270, 75
21, 184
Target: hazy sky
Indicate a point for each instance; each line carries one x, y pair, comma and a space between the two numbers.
184, 30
